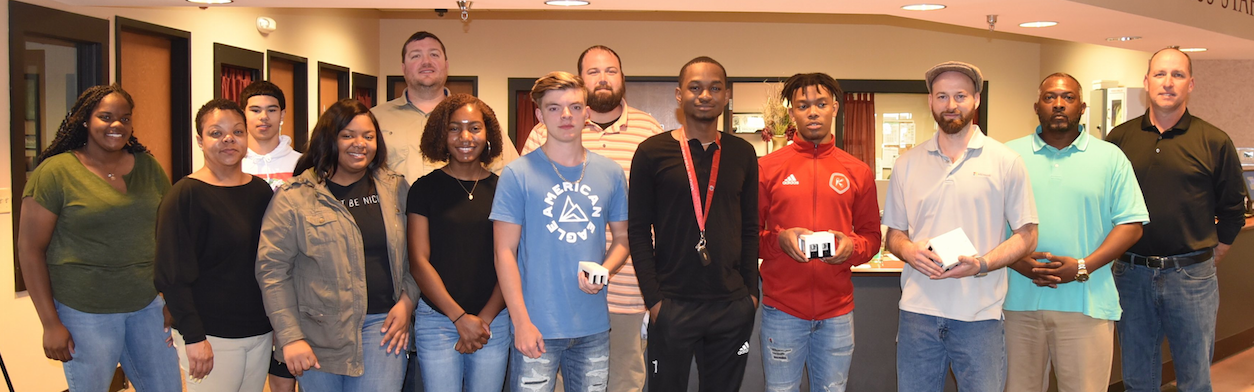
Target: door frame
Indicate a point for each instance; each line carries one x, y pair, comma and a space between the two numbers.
299, 102
91, 38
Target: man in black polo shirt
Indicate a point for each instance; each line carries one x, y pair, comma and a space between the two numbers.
698, 276
1191, 178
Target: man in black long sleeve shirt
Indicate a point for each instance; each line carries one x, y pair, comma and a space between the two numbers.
1191, 177
696, 302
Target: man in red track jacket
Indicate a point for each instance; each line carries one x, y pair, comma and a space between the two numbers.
812, 186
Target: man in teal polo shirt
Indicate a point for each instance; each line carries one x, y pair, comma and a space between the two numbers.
1062, 305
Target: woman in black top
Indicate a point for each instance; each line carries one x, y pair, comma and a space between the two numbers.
450, 248
207, 229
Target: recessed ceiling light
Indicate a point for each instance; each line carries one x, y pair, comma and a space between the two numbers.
1192, 49
567, 3
1124, 38
1043, 23
923, 7
211, 1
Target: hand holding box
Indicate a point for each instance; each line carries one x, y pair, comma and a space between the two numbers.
950, 246
597, 274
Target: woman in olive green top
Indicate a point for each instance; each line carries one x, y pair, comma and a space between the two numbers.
86, 248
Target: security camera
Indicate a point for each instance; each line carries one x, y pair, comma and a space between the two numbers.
441, 11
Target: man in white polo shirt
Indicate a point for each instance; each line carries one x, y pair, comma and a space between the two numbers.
959, 179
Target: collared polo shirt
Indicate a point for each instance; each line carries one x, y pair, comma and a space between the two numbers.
1082, 192
402, 125
617, 142
1191, 177
984, 192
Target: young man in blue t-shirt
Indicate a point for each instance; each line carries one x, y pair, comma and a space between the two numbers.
549, 210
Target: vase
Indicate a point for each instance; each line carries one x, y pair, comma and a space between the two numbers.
778, 142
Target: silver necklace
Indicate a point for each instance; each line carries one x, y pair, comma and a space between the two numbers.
108, 174
581, 171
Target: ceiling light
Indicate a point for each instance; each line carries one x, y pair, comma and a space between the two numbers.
1042, 23
923, 7
211, 1
1192, 49
1124, 38
567, 3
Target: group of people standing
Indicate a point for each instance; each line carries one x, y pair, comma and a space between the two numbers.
614, 252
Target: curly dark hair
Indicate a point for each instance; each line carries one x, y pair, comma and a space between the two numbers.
434, 143
323, 154
73, 131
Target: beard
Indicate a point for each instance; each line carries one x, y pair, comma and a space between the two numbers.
602, 103
954, 126
1051, 124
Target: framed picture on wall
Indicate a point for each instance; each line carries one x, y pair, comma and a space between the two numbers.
747, 122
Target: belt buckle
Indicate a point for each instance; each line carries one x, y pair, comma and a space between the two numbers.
1155, 262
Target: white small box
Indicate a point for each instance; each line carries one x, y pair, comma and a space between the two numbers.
596, 273
950, 246
817, 245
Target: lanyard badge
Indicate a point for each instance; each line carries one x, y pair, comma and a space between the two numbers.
702, 214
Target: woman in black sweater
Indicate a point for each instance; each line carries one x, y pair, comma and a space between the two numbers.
207, 233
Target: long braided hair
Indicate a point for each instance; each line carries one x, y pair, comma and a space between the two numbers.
73, 131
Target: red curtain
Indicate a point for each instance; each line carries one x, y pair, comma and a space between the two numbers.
860, 126
365, 96
525, 118
234, 79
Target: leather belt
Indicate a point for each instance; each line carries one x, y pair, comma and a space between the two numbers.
1164, 262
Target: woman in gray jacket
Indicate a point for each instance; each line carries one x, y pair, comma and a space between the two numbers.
332, 260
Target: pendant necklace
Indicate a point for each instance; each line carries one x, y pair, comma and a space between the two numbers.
581, 171
108, 174
470, 194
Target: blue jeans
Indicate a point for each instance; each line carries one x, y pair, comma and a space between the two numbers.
790, 344
584, 361
445, 369
383, 371
1180, 304
135, 339
928, 345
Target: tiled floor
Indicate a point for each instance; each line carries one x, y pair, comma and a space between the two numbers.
1233, 374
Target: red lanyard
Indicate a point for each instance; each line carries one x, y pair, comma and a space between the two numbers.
692, 180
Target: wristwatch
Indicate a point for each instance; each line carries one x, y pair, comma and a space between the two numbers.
983, 267
1081, 273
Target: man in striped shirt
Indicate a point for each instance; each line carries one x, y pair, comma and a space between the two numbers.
614, 130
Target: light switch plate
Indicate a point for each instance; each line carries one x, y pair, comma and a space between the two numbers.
6, 200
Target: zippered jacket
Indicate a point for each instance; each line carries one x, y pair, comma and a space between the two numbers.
311, 267
816, 187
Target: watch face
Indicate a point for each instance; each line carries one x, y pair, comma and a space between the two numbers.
1082, 277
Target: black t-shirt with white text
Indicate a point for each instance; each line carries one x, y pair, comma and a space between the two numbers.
362, 200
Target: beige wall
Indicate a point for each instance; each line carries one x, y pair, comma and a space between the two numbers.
1221, 95
1221, 91
1088, 63
344, 37
496, 46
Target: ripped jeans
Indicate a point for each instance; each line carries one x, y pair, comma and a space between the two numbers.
790, 344
584, 361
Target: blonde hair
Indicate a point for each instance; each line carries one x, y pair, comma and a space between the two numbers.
557, 80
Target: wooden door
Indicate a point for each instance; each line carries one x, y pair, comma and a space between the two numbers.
145, 74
